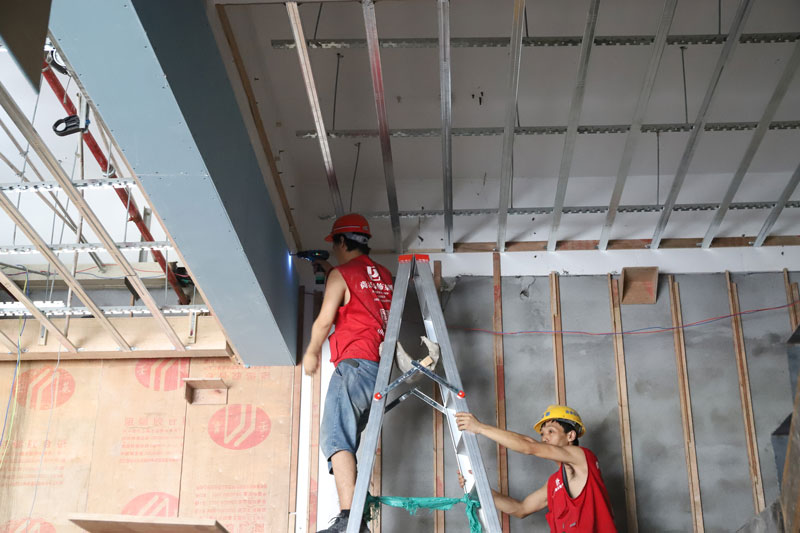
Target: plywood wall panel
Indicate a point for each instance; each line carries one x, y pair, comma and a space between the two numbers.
64, 475
136, 464
236, 456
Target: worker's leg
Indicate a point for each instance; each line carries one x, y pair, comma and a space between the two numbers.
344, 471
345, 415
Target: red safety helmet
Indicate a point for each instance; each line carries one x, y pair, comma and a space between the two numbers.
350, 223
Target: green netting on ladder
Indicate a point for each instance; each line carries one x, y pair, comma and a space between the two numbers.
412, 505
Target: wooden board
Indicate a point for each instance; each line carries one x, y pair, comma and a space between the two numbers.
141, 421
236, 457
499, 383
790, 488
684, 394
558, 339
66, 458
313, 447
107, 523
623, 411
793, 319
297, 381
94, 342
746, 398
639, 285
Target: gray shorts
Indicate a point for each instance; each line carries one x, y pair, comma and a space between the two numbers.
347, 406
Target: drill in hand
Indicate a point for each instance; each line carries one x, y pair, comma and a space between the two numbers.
312, 256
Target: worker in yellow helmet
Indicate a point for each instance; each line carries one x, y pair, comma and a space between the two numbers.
575, 495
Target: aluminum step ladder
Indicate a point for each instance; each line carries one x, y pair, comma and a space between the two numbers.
454, 399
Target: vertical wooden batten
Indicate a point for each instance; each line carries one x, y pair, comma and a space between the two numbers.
297, 381
684, 394
313, 465
500, 382
558, 338
622, 404
745, 397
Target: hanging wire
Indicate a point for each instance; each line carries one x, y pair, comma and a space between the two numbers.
166, 277
336, 90
25, 159
319, 14
127, 215
658, 166
355, 172
46, 435
685, 97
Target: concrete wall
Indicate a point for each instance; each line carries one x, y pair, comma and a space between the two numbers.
662, 492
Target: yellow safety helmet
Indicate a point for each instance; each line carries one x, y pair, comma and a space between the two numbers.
561, 412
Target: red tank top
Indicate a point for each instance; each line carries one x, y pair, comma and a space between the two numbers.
360, 324
590, 512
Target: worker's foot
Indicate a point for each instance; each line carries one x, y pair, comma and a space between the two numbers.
339, 524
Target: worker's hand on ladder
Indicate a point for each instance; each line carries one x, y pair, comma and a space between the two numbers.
468, 422
310, 363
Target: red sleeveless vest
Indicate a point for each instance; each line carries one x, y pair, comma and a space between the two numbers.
590, 512
360, 324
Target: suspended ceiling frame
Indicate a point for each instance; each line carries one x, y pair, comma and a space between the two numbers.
661, 40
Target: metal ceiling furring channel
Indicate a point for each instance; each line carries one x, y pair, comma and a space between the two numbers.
779, 205
755, 142
371, 28
638, 117
506, 167
443, 12
702, 115
313, 102
575, 107
575, 40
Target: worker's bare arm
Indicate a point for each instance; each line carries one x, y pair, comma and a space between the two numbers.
521, 443
335, 290
535, 501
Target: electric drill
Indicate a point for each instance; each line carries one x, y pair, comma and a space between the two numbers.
315, 255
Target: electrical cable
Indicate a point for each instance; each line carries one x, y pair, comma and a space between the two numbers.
46, 435
639, 331
12, 393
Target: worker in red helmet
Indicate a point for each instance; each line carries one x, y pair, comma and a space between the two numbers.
575, 496
358, 293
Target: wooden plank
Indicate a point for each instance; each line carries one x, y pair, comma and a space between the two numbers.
623, 244
684, 394
796, 302
745, 397
6, 341
205, 391
313, 451
108, 523
252, 103
94, 343
66, 454
438, 428
236, 456
790, 300
140, 421
297, 382
375, 484
500, 382
558, 340
623, 410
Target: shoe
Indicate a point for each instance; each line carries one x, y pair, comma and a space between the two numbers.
339, 524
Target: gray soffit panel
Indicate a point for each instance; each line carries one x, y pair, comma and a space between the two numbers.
195, 161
